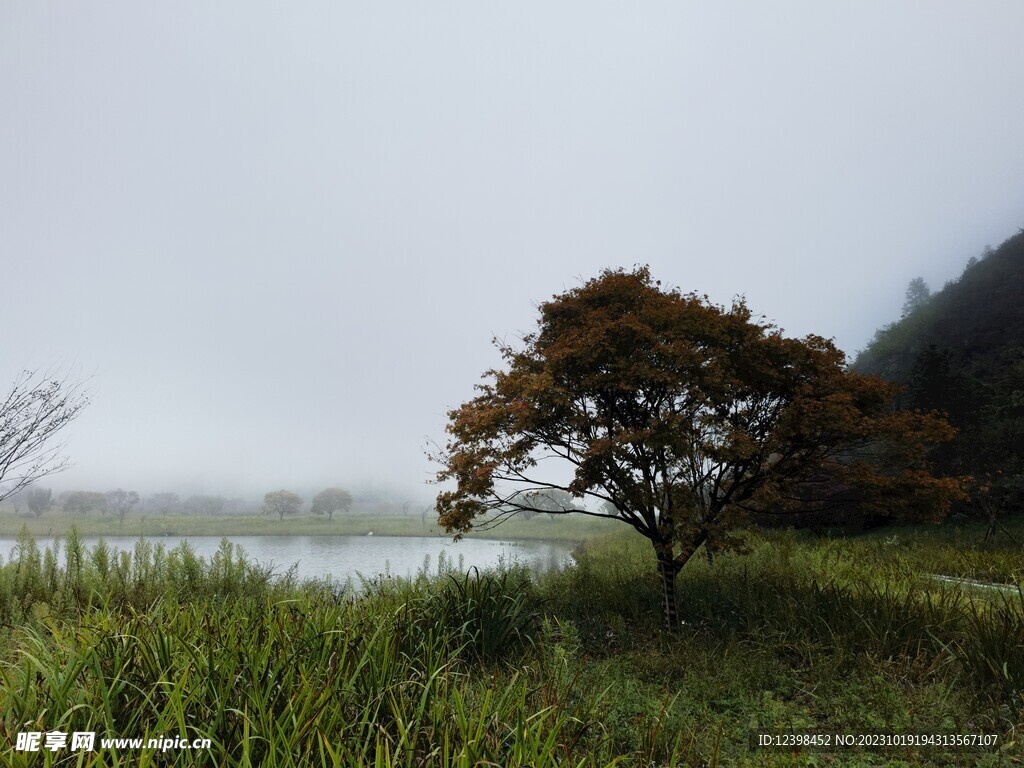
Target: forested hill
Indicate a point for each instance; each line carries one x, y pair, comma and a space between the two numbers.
961, 351
978, 318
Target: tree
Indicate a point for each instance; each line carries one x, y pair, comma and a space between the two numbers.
35, 410
205, 505
329, 501
165, 502
917, 295
935, 384
82, 501
281, 503
121, 502
39, 500
553, 501
683, 416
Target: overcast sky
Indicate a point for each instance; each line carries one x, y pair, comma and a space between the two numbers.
280, 236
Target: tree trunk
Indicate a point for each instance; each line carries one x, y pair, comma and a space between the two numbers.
669, 569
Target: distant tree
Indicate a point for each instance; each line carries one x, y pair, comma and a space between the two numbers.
82, 501
16, 502
206, 506
281, 503
236, 506
685, 416
164, 503
330, 500
35, 410
917, 295
39, 500
553, 501
121, 502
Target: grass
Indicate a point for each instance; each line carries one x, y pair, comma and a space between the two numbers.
475, 669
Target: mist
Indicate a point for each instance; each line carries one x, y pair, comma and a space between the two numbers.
277, 241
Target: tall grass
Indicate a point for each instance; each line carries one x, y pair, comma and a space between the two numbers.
833, 595
504, 668
153, 643
274, 683
799, 633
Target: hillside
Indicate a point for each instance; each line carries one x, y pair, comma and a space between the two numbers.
978, 318
961, 350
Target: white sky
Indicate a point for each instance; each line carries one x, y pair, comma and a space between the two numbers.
281, 235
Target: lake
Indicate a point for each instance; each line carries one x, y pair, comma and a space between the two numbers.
342, 557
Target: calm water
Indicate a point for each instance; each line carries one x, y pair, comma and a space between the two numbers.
341, 557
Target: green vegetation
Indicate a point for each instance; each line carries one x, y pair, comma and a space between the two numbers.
331, 500
840, 636
961, 352
355, 524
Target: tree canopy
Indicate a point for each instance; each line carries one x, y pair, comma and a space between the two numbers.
329, 501
39, 500
164, 502
121, 502
281, 503
916, 296
204, 504
82, 501
681, 415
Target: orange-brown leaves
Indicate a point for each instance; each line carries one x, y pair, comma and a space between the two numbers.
682, 412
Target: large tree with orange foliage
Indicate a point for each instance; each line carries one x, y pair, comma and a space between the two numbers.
678, 415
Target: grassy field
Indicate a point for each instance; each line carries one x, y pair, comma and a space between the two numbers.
846, 636
565, 528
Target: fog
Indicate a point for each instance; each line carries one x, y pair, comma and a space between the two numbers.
278, 238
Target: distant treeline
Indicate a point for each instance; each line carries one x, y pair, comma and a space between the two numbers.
37, 501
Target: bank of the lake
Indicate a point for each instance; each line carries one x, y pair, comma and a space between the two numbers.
566, 528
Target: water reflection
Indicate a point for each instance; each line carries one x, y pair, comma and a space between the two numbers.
345, 557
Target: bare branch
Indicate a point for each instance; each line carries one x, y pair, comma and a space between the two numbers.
35, 410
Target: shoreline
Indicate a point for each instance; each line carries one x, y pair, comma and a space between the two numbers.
562, 530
